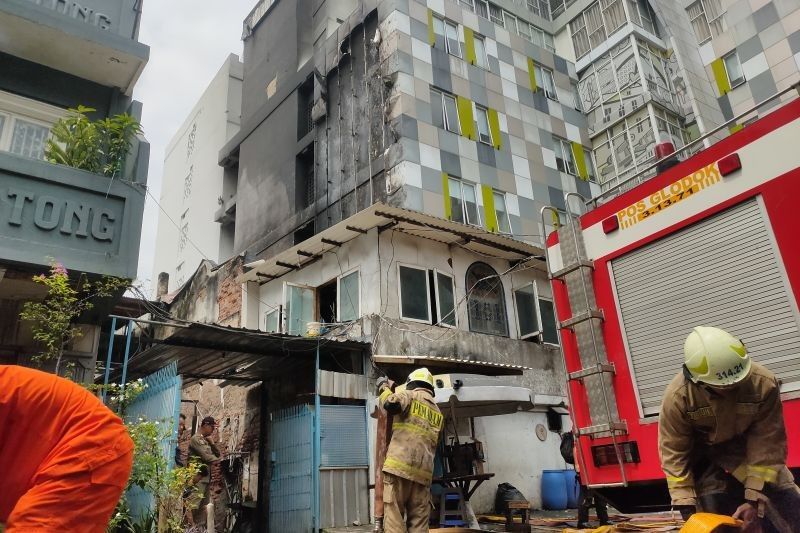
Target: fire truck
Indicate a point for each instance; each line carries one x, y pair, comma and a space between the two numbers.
711, 240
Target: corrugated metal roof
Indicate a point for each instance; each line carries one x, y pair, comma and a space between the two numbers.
217, 352
381, 215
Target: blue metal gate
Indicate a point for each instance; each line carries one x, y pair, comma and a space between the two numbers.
160, 402
290, 488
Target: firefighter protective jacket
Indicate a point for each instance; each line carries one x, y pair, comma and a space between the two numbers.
741, 431
415, 433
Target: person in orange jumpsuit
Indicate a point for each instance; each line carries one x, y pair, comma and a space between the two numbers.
65, 458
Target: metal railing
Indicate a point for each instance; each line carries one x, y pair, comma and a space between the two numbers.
642, 176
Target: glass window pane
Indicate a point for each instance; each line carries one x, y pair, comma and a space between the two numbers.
496, 14
414, 294
299, 309
587, 156
524, 30
482, 119
437, 111
734, 68
614, 14
511, 22
480, 52
549, 329
28, 139
271, 322
486, 301
525, 301
471, 205
2, 123
447, 301
451, 113
453, 46
456, 201
558, 149
349, 305
550, 85
482, 8
501, 212
438, 26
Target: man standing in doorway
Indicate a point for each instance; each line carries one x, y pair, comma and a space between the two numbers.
408, 468
722, 437
203, 450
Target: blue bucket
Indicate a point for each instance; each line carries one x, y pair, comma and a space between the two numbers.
573, 488
554, 490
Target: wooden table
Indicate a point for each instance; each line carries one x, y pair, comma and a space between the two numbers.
463, 482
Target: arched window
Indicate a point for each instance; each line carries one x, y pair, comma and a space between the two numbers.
486, 301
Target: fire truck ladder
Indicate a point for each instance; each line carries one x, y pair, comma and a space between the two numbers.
596, 371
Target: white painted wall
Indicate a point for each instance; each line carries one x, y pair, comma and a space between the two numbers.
211, 123
379, 274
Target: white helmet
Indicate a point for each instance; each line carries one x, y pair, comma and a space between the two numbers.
715, 357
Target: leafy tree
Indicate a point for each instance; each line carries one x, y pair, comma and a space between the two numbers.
54, 317
98, 146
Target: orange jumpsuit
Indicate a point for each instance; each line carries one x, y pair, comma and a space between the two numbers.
65, 458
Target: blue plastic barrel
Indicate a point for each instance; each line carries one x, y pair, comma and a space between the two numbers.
554, 490
573, 489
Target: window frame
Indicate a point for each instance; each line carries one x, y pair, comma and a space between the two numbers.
537, 317
591, 168
547, 74
566, 155
436, 273
287, 308
485, 111
742, 79
448, 25
277, 321
481, 59
14, 107
707, 23
507, 217
400, 293
445, 118
474, 186
541, 322
502, 289
354, 271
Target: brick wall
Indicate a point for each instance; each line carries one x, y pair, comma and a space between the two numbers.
229, 296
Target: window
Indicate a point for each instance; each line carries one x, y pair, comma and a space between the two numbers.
565, 161
503, 220
482, 120
444, 111
482, 8
349, 297
28, 139
593, 26
708, 19
463, 202
642, 15
486, 301
271, 322
547, 313
480, 52
613, 14
580, 38
525, 30
576, 97
427, 296
544, 77
540, 7
587, 157
510, 22
414, 294
734, 69
299, 309
445, 299
496, 15
451, 34
525, 302
469, 4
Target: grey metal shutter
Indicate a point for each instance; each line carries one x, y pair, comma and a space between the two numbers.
722, 271
343, 430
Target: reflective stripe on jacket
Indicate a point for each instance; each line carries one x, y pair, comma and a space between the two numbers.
415, 433
742, 431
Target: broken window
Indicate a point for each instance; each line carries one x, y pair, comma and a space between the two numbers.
485, 301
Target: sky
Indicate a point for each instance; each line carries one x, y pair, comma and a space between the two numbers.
189, 41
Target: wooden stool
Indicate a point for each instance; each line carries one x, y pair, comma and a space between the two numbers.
519, 505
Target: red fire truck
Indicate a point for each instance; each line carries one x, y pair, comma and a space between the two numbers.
713, 240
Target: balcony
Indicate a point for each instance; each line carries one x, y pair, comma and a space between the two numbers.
86, 221
94, 44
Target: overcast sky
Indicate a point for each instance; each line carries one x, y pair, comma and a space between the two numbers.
189, 41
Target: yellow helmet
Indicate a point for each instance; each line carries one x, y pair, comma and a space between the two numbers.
715, 357
420, 377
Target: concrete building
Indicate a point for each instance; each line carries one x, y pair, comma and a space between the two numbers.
56, 55
196, 193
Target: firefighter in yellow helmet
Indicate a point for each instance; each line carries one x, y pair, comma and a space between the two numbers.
408, 468
722, 438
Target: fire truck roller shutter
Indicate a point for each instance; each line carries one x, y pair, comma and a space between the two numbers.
722, 271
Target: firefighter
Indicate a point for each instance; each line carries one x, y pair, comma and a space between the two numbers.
408, 468
722, 438
65, 457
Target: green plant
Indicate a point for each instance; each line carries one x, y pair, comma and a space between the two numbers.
53, 319
99, 146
